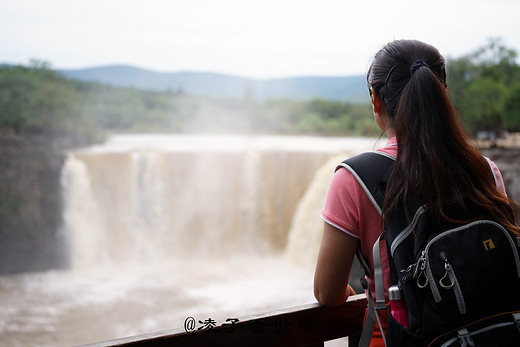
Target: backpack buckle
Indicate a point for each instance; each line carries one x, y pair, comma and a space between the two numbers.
465, 338
516, 317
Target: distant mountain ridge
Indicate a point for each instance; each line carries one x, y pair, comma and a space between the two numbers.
341, 88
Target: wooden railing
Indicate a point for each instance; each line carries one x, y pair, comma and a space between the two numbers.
309, 325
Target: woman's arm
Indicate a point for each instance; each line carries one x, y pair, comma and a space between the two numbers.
335, 259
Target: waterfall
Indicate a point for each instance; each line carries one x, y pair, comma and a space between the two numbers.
150, 198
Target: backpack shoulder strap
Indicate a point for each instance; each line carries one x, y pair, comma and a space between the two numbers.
371, 170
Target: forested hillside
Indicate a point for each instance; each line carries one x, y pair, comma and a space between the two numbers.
37, 100
338, 88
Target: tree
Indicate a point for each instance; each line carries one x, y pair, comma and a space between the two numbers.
483, 104
497, 62
478, 84
38, 101
511, 110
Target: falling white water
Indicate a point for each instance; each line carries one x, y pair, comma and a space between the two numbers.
144, 202
305, 231
83, 213
165, 227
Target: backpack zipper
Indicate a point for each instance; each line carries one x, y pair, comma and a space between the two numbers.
419, 271
425, 277
454, 283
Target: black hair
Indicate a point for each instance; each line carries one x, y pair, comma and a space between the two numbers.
436, 162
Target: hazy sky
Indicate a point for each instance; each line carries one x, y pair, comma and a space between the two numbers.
253, 38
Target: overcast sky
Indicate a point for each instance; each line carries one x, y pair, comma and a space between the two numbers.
252, 38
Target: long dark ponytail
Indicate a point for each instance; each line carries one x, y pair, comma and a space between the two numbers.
435, 162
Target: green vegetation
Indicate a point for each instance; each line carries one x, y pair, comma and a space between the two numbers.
485, 87
36, 100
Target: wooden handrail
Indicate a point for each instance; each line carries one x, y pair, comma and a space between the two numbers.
308, 325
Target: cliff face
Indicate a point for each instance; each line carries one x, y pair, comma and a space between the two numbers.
30, 205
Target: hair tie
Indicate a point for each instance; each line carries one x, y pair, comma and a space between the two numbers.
417, 65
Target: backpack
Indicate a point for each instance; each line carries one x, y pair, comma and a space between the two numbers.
460, 283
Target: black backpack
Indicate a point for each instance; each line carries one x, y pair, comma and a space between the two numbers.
461, 284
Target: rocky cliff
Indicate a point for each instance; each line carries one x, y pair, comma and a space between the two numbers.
30, 204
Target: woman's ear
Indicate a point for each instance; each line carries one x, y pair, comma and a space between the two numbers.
380, 116
377, 103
